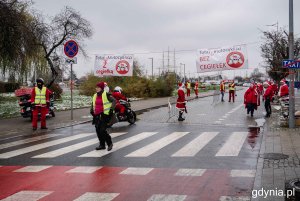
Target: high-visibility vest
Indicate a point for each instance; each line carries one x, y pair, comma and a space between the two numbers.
40, 96
188, 85
106, 103
231, 87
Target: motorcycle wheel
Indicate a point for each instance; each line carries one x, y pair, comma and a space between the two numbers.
132, 117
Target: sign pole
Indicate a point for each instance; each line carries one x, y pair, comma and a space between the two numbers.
291, 71
71, 91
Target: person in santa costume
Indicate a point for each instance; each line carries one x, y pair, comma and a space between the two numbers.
117, 94
180, 105
284, 89
267, 97
251, 99
188, 88
196, 88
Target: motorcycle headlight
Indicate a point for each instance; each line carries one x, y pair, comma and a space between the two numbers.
28, 109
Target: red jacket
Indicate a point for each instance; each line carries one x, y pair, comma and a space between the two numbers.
268, 93
284, 90
119, 96
181, 99
48, 92
251, 96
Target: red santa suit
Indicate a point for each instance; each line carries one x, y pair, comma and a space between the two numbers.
284, 90
119, 96
196, 88
181, 99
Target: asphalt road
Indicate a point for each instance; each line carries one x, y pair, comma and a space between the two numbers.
212, 155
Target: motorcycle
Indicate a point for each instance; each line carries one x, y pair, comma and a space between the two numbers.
26, 107
129, 116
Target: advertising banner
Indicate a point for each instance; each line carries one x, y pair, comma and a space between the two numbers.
219, 59
113, 65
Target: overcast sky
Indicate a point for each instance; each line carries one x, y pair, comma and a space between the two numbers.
137, 26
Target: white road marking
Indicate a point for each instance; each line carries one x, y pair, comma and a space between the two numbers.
42, 146
36, 168
190, 172
25, 141
90, 196
192, 148
165, 197
136, 171
233, 145
27, 195
120, 144
71, 148
236, 198
84, 169
157, 145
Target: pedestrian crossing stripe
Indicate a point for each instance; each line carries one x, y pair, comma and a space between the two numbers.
102, 196
71, 148
230, 148
42, 146
136, 171
157, 145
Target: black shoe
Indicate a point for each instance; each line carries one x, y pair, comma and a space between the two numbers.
34, 128
110, 147
44, 128
181, 119
100, 148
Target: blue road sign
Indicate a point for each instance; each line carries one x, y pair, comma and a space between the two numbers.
288, 63
71, 48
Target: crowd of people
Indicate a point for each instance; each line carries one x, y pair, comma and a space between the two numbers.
268, 90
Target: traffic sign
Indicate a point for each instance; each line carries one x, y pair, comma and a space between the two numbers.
71, 60
71, 48
293, 64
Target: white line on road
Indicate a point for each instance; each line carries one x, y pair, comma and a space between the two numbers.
90, 196
120, 144
157, 145
71, 148
233, 145
192, 148
26, 141
28, 196
36, 168
165, 197
43, 145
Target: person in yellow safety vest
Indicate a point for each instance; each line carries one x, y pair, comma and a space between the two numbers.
222, 90
40, 101
231, 87
188, 88
102, 108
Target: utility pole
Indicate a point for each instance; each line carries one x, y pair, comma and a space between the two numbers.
291, 71
152, 66
183, 70
168, 59
163, 62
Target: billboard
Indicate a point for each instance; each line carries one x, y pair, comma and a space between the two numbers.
113, 65
219, 59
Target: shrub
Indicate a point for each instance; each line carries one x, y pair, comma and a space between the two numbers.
6, 87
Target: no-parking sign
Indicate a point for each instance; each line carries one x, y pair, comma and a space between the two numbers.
71, 48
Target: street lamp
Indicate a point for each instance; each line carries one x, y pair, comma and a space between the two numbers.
152, 65
183, 70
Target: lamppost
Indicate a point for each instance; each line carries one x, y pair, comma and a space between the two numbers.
291, 71
183, 70
152, 65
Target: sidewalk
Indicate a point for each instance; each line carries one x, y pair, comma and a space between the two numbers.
279, 159
80, 116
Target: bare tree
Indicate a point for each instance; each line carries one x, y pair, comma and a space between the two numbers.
68, 24
274, 50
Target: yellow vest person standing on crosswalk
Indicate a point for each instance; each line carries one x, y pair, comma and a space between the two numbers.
103, 105
231, 87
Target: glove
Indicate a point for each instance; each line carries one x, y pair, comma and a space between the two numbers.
111, 111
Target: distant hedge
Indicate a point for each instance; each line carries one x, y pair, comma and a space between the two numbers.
6, 87
135, 86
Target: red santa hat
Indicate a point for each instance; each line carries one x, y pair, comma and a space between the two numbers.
283, 80
101, 85
180, 84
